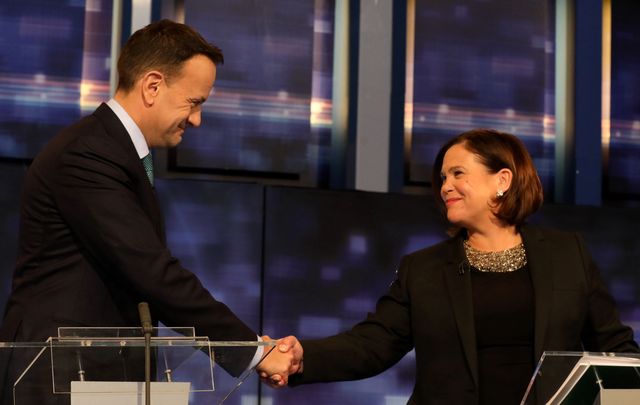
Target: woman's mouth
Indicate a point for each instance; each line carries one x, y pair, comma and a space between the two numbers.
451, 201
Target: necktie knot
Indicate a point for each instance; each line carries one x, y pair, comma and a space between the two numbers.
147, 162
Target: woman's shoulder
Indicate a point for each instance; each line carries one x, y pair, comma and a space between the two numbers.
548, 233
440, 249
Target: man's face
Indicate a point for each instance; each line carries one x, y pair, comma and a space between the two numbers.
179, 103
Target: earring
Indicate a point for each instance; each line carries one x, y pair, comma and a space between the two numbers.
499, 193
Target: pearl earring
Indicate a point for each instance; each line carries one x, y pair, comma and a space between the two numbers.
499, 193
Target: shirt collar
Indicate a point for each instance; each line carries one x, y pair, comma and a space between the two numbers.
132, 128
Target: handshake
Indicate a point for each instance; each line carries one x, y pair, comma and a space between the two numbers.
280, 362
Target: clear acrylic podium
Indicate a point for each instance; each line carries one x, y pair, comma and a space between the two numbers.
98, 366
577, 378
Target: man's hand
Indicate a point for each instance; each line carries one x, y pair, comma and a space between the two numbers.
285, 359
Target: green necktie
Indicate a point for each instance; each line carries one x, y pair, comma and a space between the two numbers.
147, 162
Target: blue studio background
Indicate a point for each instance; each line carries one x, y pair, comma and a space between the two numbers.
250, 198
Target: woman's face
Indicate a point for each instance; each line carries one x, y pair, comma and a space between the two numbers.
468, 188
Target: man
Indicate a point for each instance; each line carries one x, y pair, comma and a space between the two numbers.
92, 240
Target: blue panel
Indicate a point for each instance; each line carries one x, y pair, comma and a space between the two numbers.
624, 155
48, 49
588, 102
214, 229
278, 55
486, 64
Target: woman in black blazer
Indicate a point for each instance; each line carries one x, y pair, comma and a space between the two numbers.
481, 307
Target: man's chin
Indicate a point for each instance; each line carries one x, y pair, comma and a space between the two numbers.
175, 141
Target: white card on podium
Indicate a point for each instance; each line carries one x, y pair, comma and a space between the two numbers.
128, 393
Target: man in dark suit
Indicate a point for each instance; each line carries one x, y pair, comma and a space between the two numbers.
92, 240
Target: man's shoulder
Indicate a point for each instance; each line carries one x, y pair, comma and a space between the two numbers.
94, 130
86, 141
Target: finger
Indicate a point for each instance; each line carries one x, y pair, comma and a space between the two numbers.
276, 378
281, 382
270, 383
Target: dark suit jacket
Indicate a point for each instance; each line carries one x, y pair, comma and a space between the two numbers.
92, 245
429, 308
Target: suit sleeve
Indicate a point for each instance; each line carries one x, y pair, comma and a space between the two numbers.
603, 331
370, 347
94, 188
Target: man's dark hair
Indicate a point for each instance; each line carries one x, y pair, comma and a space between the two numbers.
163, 46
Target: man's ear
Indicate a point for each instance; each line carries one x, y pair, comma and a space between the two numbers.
150, 86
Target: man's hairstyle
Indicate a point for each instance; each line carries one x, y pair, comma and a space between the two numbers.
498, 150
163, 46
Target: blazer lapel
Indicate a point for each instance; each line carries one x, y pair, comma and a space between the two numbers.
458, 282
146, 193
541, 268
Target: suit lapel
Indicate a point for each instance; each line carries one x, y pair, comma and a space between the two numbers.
541, 268
458, 282
145, 192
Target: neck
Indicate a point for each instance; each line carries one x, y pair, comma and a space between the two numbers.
494, 239
132, 107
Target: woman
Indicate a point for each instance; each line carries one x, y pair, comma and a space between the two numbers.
481, 307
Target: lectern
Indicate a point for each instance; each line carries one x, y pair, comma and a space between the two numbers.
83, 366
577, 378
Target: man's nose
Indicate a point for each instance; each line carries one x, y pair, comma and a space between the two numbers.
195, 118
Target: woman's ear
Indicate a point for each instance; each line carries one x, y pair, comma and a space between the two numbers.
504, 177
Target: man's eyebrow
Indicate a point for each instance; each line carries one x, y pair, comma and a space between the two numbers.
196, 101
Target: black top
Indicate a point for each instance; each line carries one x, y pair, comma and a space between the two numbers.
503, 315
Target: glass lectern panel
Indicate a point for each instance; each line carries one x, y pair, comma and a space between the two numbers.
563, 378
90, 365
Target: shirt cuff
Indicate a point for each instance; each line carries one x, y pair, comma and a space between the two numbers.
256, 357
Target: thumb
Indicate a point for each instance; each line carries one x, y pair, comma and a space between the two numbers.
286, 343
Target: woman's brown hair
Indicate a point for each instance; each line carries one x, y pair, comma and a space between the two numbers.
499, 150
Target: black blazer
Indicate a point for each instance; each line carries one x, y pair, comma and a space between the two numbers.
92, 245
429, 308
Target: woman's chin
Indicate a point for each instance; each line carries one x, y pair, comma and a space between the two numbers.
455, 222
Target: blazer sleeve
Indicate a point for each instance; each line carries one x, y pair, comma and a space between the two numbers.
94, 187
370, 347
603, 331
